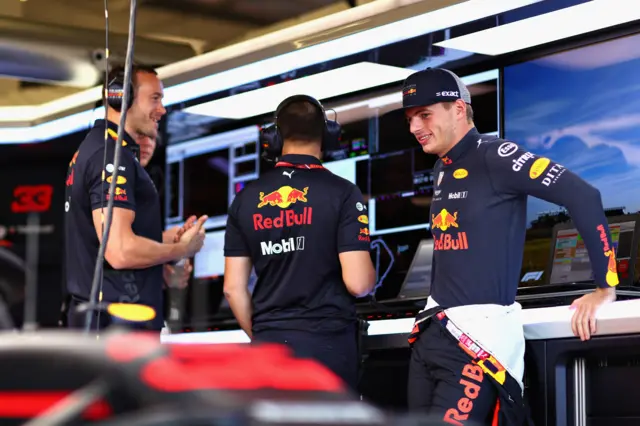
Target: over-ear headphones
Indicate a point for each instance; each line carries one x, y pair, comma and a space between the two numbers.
271, 139
115, 90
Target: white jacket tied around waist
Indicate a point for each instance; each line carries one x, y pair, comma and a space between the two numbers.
496, 328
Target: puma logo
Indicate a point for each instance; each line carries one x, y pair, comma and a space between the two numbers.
288, 174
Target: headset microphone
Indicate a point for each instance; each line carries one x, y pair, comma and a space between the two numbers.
111, 95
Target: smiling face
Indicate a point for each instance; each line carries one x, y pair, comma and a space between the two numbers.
147, 108
438, 127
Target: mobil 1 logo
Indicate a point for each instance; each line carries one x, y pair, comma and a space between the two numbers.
286, 245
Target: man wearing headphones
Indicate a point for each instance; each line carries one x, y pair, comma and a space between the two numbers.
305, 230
137, 248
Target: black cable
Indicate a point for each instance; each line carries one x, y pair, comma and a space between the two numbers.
105, 97
96, 285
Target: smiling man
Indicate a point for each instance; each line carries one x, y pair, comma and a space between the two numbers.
467, 359
136, 251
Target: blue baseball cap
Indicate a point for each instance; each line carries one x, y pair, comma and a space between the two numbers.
432, 86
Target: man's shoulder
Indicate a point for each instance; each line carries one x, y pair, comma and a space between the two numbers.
92, 143
495, 149
340, 183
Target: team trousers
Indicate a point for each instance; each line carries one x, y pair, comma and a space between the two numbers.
444, 383
336, 350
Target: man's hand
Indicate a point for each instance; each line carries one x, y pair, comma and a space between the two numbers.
172, 235
192, 238
169, 236
583, 322
187, 225
177, 277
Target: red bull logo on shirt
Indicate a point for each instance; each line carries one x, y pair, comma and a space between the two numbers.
612, 268
120, 195
283, 197
448, 241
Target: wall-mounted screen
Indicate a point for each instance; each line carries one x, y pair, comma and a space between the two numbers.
203, 175
580, 108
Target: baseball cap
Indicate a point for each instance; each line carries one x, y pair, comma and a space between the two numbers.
432, 86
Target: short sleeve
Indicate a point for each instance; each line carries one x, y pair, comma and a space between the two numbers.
235, 244
353, 230
99, 177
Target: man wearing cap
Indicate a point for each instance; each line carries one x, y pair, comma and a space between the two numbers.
467, 359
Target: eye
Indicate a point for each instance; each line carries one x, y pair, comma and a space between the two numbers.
424, 115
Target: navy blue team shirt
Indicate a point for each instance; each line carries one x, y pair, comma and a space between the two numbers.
293, 222
85, 192
478, 219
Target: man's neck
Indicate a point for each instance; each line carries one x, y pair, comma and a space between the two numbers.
460, 133
301, 148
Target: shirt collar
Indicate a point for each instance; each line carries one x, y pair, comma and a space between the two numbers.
468, 141
300, 159
127, 140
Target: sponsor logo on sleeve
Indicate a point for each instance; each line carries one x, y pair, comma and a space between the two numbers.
551, 174
120, 194
507, 149
521, 161
612, 269
538, 167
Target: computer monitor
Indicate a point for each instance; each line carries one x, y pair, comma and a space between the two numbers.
209, 261
570, 262
417, 282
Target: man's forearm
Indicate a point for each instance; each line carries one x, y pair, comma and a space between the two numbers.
240, 303
139, 252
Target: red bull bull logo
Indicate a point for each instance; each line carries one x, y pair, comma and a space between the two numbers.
612, 268
444, 221
120, 194
364, 235
283, 197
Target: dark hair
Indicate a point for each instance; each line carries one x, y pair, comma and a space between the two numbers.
301, 121
135, 69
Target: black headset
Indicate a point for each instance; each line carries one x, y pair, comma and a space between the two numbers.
115, 91
271, 139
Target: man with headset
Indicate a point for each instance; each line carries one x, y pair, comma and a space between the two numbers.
305, 230
137, 248
467, 359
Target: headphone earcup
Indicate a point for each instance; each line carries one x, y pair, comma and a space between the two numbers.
115, 93
271, 141
332, 137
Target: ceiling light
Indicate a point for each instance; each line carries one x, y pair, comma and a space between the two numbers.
341, 81
436, 20
362, 41
571, 21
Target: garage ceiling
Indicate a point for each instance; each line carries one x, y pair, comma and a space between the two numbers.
53, 48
